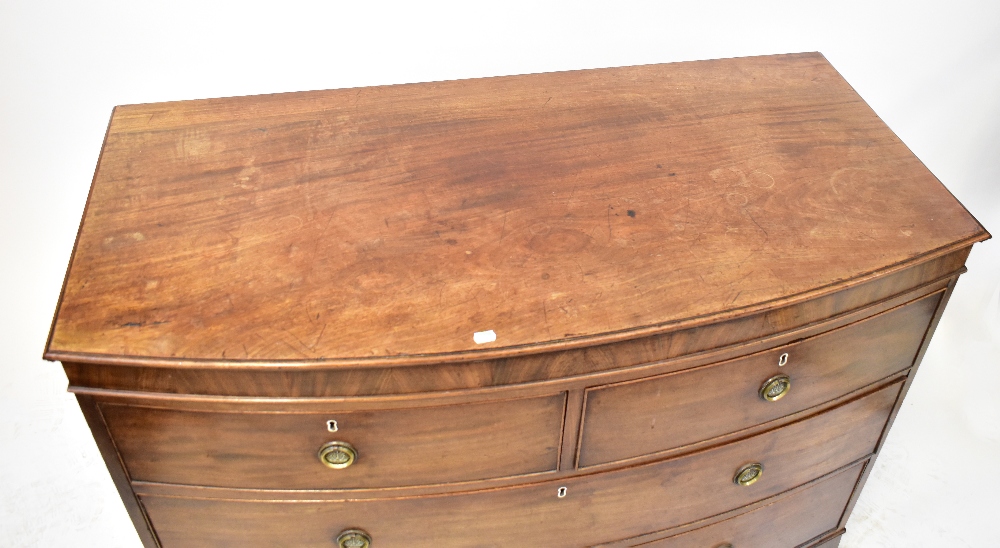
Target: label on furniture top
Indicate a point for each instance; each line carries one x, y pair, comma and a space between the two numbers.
465, 219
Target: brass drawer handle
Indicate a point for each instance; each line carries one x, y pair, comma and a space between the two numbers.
749, 474
338, 454
775, 388
354, 538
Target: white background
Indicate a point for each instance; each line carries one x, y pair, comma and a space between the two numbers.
930, 69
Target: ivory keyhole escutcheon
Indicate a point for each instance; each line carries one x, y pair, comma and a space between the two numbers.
782, 359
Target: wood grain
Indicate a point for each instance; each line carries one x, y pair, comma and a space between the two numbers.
353, 226
106, 445
252, 448
789, 521
592, 365
655, 414
598, 508
643, 241
899, 404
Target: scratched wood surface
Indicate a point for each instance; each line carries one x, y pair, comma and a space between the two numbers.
366, 224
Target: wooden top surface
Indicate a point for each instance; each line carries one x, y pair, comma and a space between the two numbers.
389, 224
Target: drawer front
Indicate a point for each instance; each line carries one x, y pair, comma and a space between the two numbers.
642, 417
596, 508
397, 447
791, 520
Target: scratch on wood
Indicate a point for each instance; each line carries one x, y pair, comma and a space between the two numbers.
320, 336
296, 350
747, 258
766, 235
298, 340
503, 229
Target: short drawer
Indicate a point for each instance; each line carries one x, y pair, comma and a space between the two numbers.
395, 447
594, 508
791, 520
642, 417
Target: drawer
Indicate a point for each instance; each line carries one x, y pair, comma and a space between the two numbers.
397, 447
596, 508
791, 520
642, 417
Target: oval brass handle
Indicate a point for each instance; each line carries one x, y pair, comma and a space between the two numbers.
749, 474
338, 454
354, 538
775, 388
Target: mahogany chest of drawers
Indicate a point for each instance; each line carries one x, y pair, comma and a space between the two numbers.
670, 306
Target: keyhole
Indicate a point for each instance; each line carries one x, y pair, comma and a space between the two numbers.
561, 492
783, 359
332, 426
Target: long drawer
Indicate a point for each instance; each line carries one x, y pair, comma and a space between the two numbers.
393, 447
592, 509
636, 418
790, 520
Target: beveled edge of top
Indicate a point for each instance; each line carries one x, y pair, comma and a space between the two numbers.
506, 351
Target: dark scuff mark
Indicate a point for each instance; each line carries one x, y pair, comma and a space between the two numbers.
631, 213
659, 166
132, 324
671, 174
766, 235
318, 337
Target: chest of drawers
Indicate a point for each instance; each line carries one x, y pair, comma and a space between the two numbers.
669, 306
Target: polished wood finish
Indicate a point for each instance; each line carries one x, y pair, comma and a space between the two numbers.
693, 346
397, 447
656, 414
596, 508
120, 477
892, 416
644, 242
790, 520
368, 226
